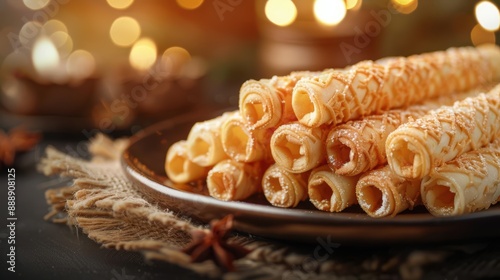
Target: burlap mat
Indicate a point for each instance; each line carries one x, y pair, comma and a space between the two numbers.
102, 202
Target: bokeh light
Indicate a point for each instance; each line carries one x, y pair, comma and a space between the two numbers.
189, 4
80, 64
329, 12
143, 54
63, 42
36, 4
281, 12
29, 32
45, 56
353, 4
405, 6
54, 25
174, 59
480, 36
120, 4
125, 31
487, 15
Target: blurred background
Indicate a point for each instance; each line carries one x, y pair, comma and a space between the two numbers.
120, 65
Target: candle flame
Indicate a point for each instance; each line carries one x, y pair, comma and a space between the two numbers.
45, 57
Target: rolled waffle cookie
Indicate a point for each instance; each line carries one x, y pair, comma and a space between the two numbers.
204, 145
298, 148
329, 191
415, 148
178, 166
231, 180
382, 193
358, 146
368, 88
282, 188
469, 183
267, 103
242, 143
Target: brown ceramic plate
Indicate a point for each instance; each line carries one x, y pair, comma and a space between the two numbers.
143, 162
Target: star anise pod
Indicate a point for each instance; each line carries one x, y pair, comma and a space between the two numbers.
17, 140
213, 244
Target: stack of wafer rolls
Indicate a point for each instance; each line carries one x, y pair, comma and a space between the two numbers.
386, 135
358, 146
266, 103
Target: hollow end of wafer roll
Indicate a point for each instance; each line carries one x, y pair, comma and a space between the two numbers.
439, 197
179, 168
296, 150
201, 150
375, 199
341, 156
407, 157
239, 143
229, 180
329, 191
259, 105
381, 193
282, 188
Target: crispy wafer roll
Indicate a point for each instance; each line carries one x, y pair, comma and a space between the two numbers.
231, 180
358, 146
382, 193
370, 88
469, 183
204, 145
298, 148
415, 148
282, 188
329, 191
242, 143
178, 166
267, 102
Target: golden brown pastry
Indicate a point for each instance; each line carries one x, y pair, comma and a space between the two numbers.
417, 147
178, 166
204, 145
368, 87
298, 148
231, 180
382, 193
469, 183
359, 145
266, 103
282, 188
329, 191
242, 143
